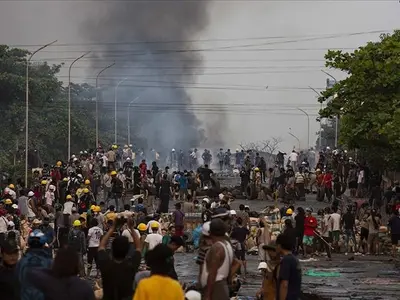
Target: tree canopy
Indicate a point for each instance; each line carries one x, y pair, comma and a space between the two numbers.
48, 113
367, 102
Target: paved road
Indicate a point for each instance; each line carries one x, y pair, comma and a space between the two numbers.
364, 277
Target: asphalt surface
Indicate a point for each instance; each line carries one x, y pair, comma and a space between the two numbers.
356, 277
365, 277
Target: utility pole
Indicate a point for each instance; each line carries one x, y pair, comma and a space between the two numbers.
97, 103
28, 61
69, 102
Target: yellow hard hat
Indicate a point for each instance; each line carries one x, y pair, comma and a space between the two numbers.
256, 169
85, 190
113, 173
44, 182
97, 209
142, 227
77, 223
69, 197
65, 179
11, 186
87, 181
93, 207
58, 164
114, 146
154, 225
7, 201
289, 211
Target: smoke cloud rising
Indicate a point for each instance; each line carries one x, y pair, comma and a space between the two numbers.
142, 38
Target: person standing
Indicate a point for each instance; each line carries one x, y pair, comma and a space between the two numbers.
9, 285
218, 262
179, 219
289, 275
335, 227
77, 241
94, 235
394, 226
240, 233
118, 270
373, 232
310, 224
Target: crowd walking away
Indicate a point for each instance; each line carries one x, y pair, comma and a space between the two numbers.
107, 225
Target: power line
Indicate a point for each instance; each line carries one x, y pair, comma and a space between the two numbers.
319, 36
155, 60
199, 67
195, 74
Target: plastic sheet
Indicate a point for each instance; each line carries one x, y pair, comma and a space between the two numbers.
317, 273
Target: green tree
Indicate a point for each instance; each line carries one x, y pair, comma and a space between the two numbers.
48, 114
367, 101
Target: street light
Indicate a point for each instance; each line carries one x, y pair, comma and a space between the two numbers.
128, 120
69, 102
298, 140
115, 108
97, 102
320, 121
308, 126
336, 117
27, 108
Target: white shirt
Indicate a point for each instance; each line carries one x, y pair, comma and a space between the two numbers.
68, 208
327, 227
94, 235
50, 198
153, 239
127, 233
105, 161
293, 156
3, 224
335, 222
360, 176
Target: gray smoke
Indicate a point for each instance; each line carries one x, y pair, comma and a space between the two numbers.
119, 28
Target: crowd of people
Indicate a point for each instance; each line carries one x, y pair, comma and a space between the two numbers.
76, 220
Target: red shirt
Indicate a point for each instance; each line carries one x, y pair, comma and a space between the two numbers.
328, 180
310, 223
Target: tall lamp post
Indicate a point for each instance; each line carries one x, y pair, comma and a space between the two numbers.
97, 102
115, 108
320, 121
308, 126
298, 140
129, 119
69, 101
336, 117
27, 108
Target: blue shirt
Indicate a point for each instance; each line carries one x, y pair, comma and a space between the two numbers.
290, 270
183, 182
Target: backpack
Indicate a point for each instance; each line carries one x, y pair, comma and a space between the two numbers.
74, 240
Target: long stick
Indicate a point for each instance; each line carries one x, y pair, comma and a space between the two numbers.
323, 240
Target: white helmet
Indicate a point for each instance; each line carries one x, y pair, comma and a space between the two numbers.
173, 149
206, 200
205, 229
193, 295
31, 194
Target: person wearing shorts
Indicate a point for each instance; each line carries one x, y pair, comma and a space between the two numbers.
394, 225
310, 224
308, 240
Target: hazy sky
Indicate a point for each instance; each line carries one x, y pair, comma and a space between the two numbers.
284, 63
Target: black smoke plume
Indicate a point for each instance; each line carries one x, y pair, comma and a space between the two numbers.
149, 41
